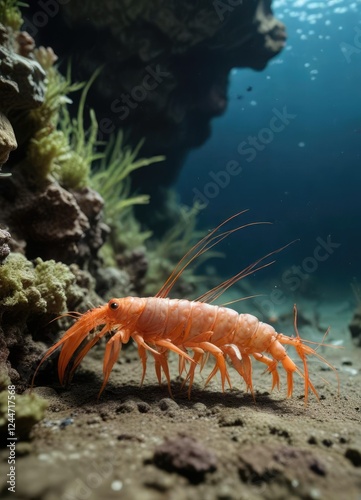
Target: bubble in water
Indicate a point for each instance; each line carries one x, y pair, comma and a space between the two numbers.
301, 144
314, 71
253, 103
307, 65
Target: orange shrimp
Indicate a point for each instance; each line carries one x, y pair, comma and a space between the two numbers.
159, 325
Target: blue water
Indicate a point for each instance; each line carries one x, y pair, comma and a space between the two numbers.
305, 176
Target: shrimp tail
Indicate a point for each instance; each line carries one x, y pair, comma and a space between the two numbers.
303, 351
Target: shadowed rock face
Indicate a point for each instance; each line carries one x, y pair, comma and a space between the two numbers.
165, 65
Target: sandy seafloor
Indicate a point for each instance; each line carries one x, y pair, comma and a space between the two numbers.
271, 448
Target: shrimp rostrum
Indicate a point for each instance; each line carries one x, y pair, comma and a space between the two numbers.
193, 329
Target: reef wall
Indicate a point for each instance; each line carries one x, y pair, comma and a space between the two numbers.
165, 67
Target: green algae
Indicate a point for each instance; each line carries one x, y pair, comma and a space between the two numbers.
10, 14
29, 409
39, 288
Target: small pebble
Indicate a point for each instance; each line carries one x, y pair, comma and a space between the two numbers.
116, 485
168, 404
349, 370
65, 422
143, 407
354, 456
346, 362
127, 407
186, 456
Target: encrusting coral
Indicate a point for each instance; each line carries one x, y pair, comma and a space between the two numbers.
34, 288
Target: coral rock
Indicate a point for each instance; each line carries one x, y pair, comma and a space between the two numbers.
47, 217
4, 247
187, 456
91, 204
7, 139
22, 80
171, 59
26, 43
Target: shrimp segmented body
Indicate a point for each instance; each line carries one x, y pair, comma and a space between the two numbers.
191, 329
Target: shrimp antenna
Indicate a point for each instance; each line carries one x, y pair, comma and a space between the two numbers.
205, 244
218, 290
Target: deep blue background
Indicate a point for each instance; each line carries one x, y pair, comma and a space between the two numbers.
310, 191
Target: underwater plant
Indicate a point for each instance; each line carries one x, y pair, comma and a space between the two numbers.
63, 147
50, 148
74, 168
112, 178
10, 14
56, 96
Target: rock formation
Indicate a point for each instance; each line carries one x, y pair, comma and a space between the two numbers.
165, 66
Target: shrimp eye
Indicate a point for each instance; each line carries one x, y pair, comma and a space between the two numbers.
114, 305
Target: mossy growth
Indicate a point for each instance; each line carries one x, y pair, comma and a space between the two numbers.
39, 288
30, 409
73, 169
46, 149
10, 14
50, 146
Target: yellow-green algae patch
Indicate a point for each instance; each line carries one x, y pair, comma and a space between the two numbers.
42, 287
29, 409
